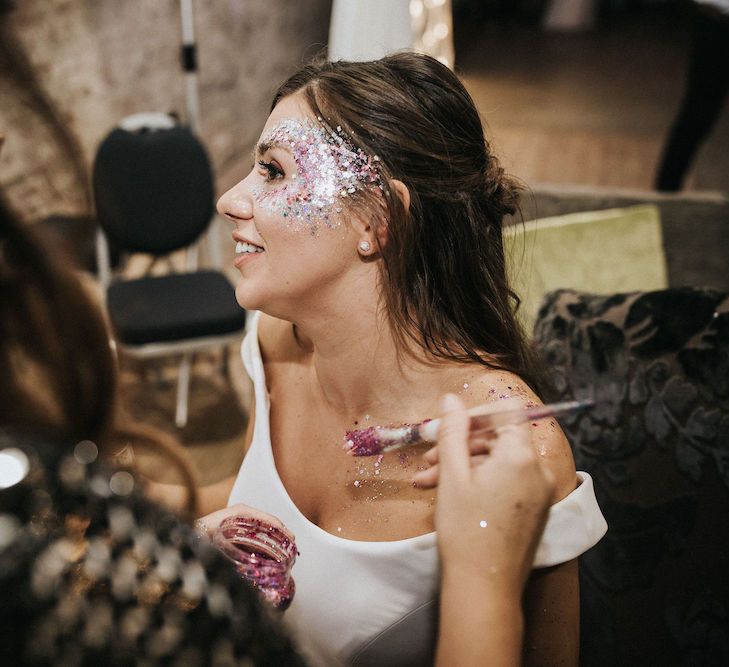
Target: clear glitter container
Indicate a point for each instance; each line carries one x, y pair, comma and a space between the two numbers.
262, 554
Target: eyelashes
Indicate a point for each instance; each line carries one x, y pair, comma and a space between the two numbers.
271, 171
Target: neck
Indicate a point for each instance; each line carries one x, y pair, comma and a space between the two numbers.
358, 366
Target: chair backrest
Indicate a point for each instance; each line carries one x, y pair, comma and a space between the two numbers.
153, 188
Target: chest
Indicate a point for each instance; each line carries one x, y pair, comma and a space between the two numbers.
361, 498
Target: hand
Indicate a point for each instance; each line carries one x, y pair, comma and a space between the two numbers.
479, 439
210, 522
492, 507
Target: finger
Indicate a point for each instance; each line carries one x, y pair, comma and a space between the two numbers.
476, 461
264, 517
426, 479
479, 443
453, 437
431, 456
483, 431
512, 439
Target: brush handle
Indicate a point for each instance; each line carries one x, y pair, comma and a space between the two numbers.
490, 421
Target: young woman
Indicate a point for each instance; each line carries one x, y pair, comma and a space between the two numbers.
368, 234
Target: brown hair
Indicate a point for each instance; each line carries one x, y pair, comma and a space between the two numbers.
58, 375
443, 271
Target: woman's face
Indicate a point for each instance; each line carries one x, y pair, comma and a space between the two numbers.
291, 214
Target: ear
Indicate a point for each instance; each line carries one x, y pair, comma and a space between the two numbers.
376, 228
370, 227
402, 192
372, 234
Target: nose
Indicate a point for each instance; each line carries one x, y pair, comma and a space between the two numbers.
235, 204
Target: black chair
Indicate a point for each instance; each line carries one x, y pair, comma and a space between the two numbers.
153, 187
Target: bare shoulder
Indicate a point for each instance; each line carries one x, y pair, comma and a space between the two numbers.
547, 437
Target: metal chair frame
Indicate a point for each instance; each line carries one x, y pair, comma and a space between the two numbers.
186, 347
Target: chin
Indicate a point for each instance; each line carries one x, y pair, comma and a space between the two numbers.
249, 299
246, 298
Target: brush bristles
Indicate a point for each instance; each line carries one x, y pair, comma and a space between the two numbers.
363, 442
377, 439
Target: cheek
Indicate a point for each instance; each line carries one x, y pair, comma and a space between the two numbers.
298, 206
306, 260
288, 215
284, 202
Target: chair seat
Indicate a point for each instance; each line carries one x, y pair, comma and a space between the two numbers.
173, 308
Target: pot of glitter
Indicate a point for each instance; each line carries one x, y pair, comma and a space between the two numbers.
262, 554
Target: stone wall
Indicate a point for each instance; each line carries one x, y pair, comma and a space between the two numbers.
70, 69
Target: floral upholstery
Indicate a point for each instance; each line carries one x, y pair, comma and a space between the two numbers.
655, 590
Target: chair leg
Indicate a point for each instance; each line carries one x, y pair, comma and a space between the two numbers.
183, 390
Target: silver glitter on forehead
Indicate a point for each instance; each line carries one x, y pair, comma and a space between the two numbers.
329, 168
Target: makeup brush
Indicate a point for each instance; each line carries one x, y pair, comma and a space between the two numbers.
379, 439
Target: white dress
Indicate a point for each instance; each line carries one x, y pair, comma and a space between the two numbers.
373, 603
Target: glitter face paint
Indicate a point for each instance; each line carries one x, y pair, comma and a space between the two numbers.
329, 169
262, 554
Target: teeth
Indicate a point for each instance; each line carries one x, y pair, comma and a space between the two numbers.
242, 247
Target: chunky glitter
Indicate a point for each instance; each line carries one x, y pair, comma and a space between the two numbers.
363, 442
329, 168
369, 442
262, 554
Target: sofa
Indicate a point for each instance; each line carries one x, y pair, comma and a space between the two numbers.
654, 590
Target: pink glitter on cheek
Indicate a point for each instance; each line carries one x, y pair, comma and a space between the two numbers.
329, 168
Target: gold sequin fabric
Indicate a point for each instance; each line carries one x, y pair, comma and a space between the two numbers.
92, 573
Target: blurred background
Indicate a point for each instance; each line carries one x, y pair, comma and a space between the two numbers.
553, 99
579, 97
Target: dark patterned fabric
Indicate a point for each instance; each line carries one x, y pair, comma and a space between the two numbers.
92, 574
655, 590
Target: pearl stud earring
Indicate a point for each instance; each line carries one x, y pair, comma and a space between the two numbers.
364, 246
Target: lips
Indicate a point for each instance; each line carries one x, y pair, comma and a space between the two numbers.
243, 247
245, 250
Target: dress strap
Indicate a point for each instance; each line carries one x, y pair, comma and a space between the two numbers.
249, 350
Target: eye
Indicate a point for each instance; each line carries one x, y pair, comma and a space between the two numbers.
271, 171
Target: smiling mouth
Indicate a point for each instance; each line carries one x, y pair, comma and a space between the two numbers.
243, 248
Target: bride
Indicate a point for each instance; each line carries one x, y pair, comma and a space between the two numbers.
368, 240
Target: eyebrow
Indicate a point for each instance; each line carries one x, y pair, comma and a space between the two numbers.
263, 146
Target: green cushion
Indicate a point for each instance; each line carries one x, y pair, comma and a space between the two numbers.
602, 252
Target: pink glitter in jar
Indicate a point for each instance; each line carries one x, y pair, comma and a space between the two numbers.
262, 554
